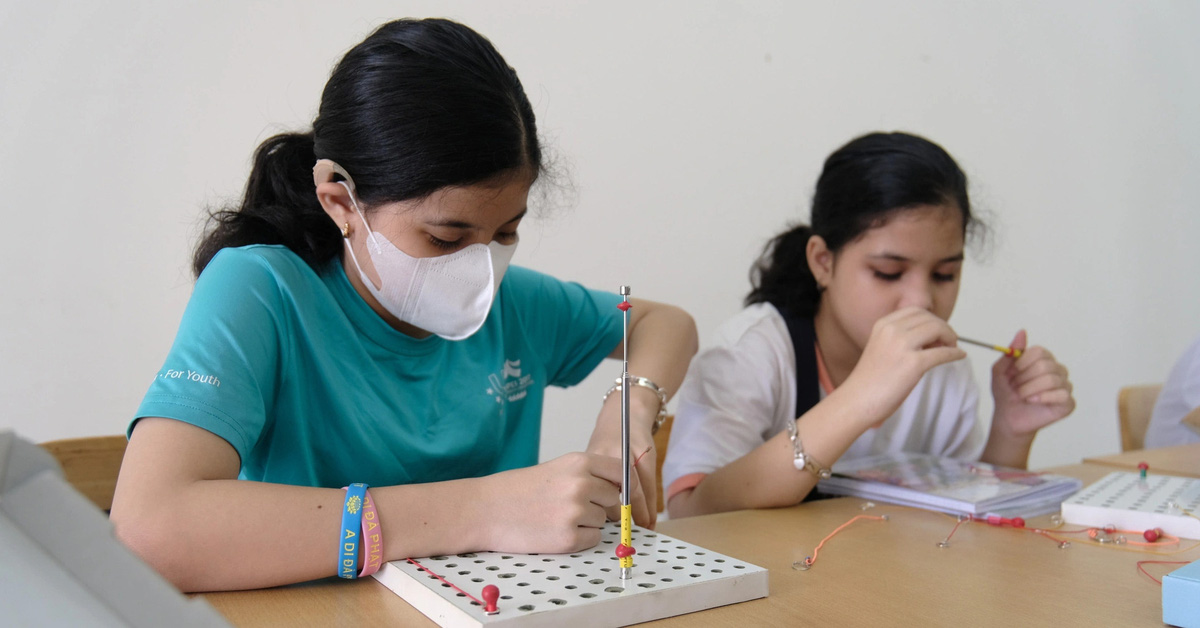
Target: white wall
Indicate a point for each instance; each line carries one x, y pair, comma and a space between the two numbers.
693, 130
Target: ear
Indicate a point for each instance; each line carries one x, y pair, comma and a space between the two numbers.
335, 200
820, 260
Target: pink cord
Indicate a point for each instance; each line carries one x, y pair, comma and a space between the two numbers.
809, 560
426, 570
1157, 562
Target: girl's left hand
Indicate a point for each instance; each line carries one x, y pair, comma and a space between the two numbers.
1031, 391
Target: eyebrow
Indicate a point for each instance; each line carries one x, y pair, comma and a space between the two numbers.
901, 258
462, 224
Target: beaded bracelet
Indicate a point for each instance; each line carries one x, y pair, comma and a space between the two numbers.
372, 535
352, 513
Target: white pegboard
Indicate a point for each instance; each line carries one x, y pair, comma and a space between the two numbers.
1124, 500
670, 577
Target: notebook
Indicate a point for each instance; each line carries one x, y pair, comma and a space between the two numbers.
950, 485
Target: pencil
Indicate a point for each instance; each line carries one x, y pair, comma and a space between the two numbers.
1016, 353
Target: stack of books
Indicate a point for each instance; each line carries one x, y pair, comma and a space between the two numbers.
950, 485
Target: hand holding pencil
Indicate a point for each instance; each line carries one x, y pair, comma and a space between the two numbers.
1031, 388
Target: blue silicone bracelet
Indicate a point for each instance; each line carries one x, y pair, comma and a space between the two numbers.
351, 529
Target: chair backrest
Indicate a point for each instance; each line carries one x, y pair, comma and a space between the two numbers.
661, 438
1135, 404
91, 465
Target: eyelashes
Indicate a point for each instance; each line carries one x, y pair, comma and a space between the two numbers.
450, 245
938, 277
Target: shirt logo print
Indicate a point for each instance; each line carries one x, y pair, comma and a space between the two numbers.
509, 384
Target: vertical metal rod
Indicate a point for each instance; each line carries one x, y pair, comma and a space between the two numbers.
626, 571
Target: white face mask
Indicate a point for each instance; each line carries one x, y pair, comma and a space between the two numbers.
448, 295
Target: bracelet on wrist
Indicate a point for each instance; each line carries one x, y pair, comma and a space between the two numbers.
645, 383
348, 540
372, 537
801, 460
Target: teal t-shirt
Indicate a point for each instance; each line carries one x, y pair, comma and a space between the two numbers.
311, 387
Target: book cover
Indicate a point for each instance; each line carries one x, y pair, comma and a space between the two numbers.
950, 485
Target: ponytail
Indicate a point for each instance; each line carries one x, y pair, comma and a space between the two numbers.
280, 206
418, 106
781, 275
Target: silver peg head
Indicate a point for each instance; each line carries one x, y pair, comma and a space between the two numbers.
624, 291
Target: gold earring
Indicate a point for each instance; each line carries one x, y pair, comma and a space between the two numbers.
346, 230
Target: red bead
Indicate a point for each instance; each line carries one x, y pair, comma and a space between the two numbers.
1152, 535
1018, 522
491, 593
624, 551
624, 305
1143, 466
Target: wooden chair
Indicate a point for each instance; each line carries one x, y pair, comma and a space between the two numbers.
91, 465
1135, 404
661, 438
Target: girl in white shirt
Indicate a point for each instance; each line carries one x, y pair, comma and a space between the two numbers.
865, 294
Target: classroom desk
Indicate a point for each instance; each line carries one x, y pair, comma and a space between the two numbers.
872, 573
1179, 460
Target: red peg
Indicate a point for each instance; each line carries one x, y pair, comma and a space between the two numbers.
625, 551
1152, 534
624, 305
491, 593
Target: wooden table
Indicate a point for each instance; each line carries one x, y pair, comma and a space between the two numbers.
1179, 460
873, 573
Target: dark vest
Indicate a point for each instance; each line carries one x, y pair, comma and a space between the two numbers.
808, 382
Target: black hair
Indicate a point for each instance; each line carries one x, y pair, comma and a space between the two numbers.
417, 106
861, 185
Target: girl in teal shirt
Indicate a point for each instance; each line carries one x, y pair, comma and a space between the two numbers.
356, 320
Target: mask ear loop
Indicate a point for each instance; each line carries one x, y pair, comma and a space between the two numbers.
370, 232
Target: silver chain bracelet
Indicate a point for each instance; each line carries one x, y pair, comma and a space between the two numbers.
803, 461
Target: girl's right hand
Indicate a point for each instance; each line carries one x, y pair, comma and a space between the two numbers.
554, 507
903, 346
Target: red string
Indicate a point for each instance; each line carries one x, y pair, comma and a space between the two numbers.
1157, 562
1092, 533
426, 570
951, 535
809, 560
